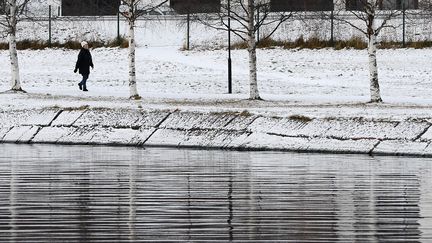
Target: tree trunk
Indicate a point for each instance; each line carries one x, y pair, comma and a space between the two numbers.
15, 75
254, 93
133, 91
373, 70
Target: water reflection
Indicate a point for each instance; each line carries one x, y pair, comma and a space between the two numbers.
81, 194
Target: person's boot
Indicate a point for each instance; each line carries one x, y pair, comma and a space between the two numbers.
80, 86
85, 88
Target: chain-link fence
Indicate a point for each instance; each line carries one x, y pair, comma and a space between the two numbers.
170, 30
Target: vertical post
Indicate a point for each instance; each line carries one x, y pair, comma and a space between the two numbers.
58, 11
403, 25
229, 50
49, 25
118, 28
332, 28
188, 32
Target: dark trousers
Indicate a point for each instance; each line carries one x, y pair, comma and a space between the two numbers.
84, 80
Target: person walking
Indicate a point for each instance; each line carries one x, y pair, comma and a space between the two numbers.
83, 64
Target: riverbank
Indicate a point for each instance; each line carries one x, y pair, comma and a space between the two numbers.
385, 129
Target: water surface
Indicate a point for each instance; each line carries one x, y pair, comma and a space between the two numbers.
113, 194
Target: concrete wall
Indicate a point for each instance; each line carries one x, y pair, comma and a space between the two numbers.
240, 131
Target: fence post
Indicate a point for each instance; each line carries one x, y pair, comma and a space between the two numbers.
49, 25
188, 32
118, 28
229, 50
403, 26
332, 29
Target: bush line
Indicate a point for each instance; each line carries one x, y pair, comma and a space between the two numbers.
312, 43
74, 45
315, 43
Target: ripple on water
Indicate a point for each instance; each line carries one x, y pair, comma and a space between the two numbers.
112, 194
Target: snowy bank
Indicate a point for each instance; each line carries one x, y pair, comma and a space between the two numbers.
222, 130
314, 101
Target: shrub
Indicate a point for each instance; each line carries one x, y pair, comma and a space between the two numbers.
70, 44
419, 44
4, 46
300, 118
29, 44
239, 45
354, 42
302, 43
118, 42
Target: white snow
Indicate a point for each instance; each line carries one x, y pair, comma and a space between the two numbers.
313, 83
302, 76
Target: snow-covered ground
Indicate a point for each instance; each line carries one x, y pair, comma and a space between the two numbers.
309, 82
320, 75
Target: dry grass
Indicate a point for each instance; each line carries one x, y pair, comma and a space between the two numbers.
300, 118
4, 46
122, 43
239, 45
245, 113
269, 43
74, 45
389, 45
419, 44
311, 43
355, 42
28, 44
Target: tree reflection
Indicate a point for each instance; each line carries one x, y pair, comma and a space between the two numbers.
131, 195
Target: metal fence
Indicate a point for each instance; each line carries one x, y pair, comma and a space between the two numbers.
410, 25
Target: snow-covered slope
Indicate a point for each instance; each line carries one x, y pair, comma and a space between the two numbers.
226, 130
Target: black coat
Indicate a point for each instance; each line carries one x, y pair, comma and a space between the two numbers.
84, 62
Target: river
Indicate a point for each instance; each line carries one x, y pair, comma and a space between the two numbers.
120, 194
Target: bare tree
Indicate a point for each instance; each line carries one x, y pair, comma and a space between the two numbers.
14, 11
374, 16
247, 23
132, 10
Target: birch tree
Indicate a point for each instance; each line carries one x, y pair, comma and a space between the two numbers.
368, 11
13, 13
247, 23
132, 10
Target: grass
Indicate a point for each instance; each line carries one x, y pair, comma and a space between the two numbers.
245, 113
300, 118
311, 43
356, 42
74, 45
419, 44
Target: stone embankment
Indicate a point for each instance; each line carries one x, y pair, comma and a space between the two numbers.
239, 131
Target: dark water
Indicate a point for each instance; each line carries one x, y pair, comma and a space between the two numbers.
106, 194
